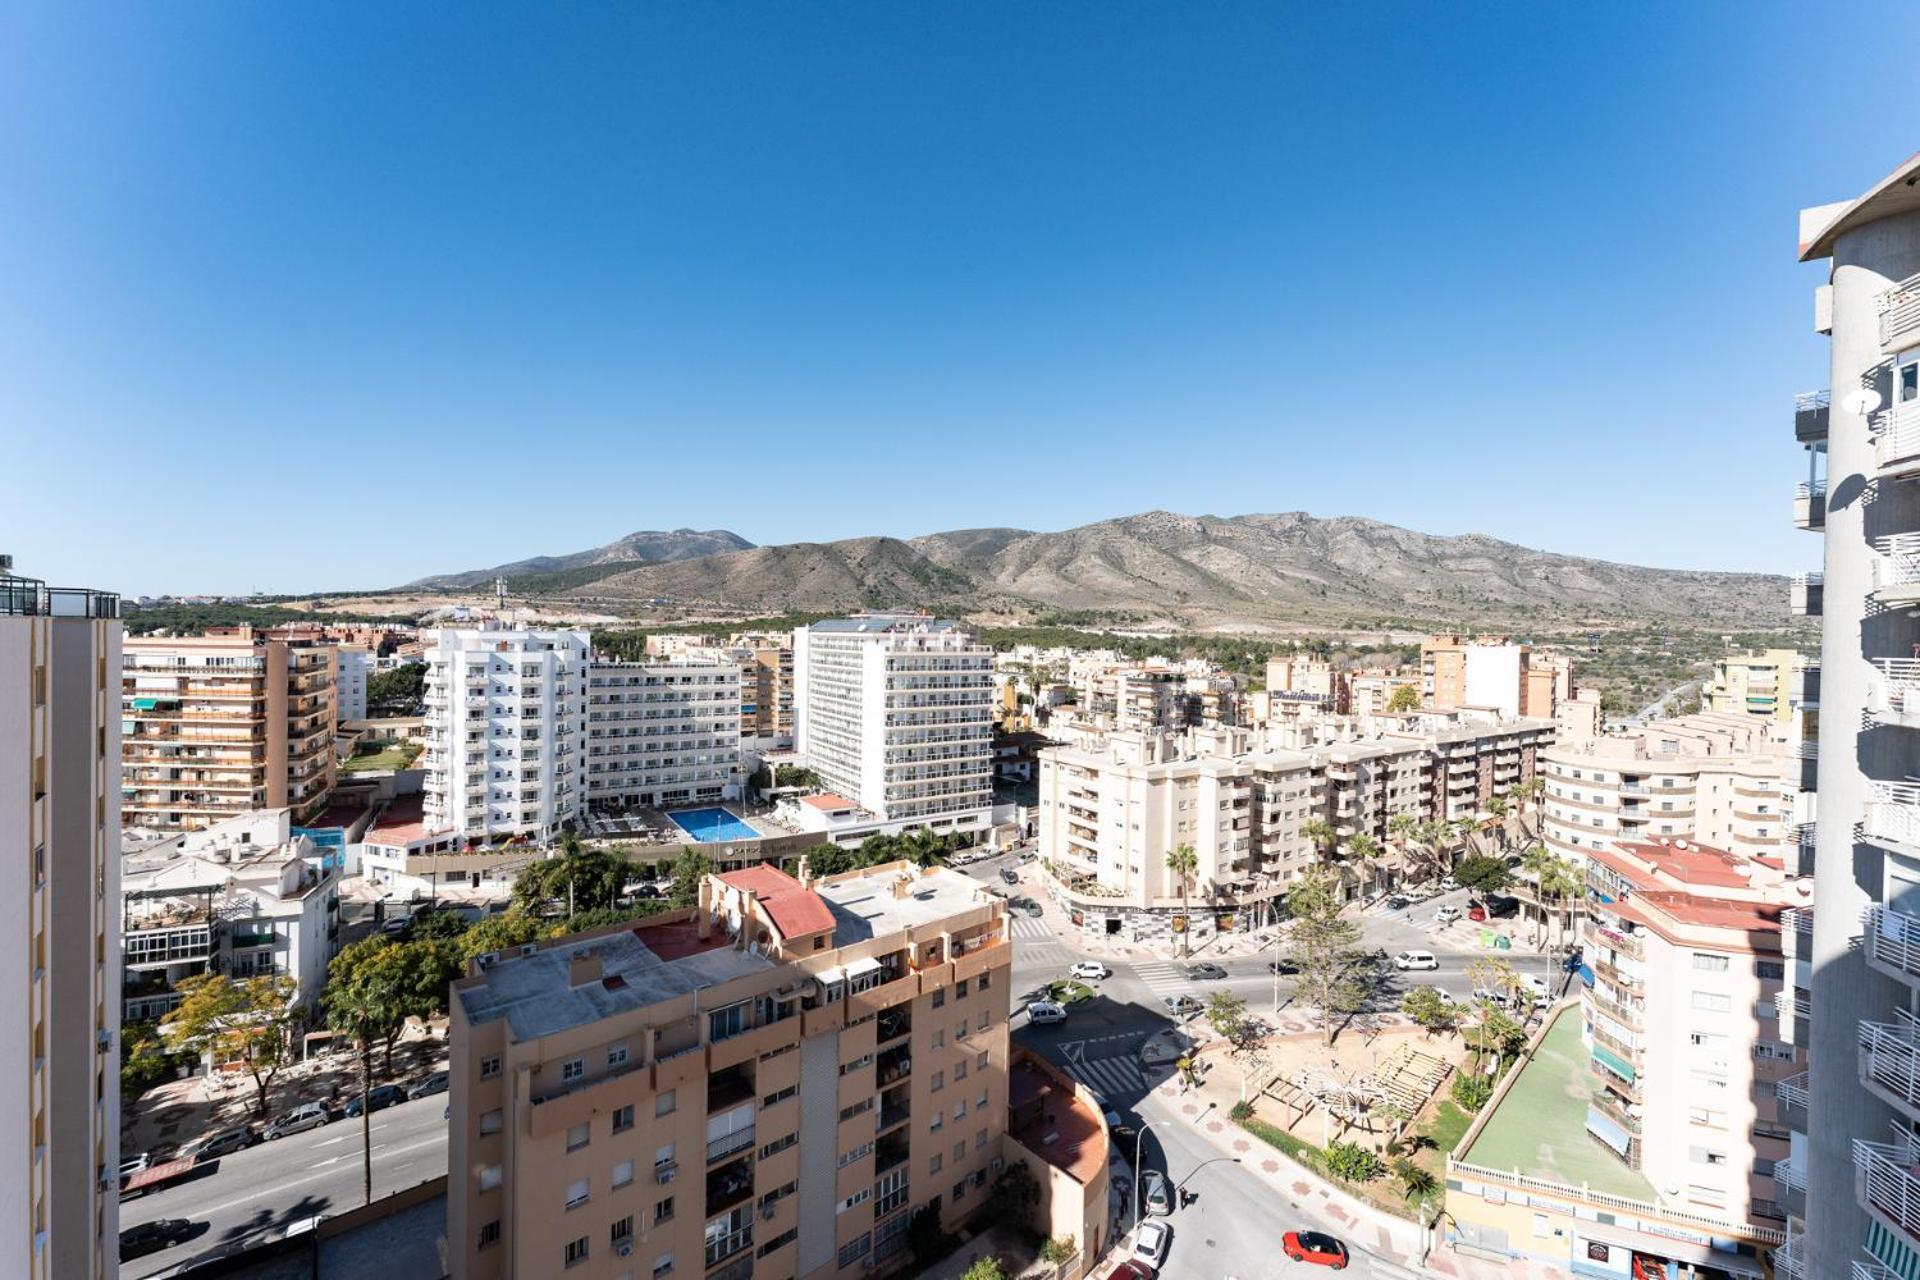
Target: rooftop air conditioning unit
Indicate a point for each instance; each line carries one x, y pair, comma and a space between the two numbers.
486, 960
624, 1248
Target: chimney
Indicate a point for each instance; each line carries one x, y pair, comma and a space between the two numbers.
583, 969
805, 872
903, 885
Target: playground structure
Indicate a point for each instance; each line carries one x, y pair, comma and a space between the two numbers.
1403, 1082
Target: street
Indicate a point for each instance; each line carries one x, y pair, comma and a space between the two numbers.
273, 1187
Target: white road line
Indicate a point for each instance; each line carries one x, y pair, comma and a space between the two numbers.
208, 1210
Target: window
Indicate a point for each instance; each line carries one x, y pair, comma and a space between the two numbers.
622, 1174
664, 1104
854, 1250
778, 1145
960, 1150
1712, 1002
662, 1266
938, 1121
775, 1099
938, 1082
860, 1152
960, 1029
780, 1241
622, 1231
959, 1071
490, 1233
934, 1165
939, 1039
1702, 1155
960, 989
848, 1113
960, 1110
623, 1118
489, 1177
579, 1135
982, 1104
959, 1190
490, 1066
940, 998
617, 1056
980, 1024
986, 980
577, 1252
1707, 1116
1707, 1039
572, 1069
576, 1193
1769, 969
855, 1200
864, 1060
1707, 962
980, 1063
725, 1023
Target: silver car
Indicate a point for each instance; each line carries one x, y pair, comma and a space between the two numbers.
309, 1115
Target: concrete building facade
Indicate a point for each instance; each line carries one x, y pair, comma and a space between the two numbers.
59, 923
663, 734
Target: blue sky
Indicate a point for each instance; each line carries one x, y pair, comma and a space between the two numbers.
300, 300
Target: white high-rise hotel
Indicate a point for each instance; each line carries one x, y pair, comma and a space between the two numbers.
894, 711
507, 737
663, 734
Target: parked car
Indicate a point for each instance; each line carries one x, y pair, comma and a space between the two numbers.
134, 1164
1155, 1193
1476, 910
1206, 973
1091, 971
308, 1115
1131, 1270
1416, 960
1043, 1012
1025, 907
1316, 1248
1010, 875
1500, 908
220, 1143
1399, 902
1446, 915
1574, 960
397, 927
1150, 1243
1448, 884
1441, 992
1282, 966
379, 1098
1183, 1007
1030, 855
1492, 995
1536, 986
151, 1237
435, 1083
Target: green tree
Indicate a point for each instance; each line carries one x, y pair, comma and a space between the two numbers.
445, 926
1183, 862
578, 880
1015, 1192
1319, 833
600, 917
405, 979
1499, 806
1227, 1015
689, 869
1404, 698
793, 775
1426, 1006
399, 692
1489, 875
144, 1058
1472, 1091
1365, 853
1418, 1182
251, 1021
1351, 1161
1324, 946
500, 933
987, 1268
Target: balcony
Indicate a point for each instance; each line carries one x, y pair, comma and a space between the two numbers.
1789, 1095
893, 1065
1896, 693
1896, 571
1884, 1181
1810, 505
729, 1185
1790, 1259
1805, 594
1896, 441
1890, 1061
1893, 813
1899, 309
727, 1143
1810, 410
1795, 1008
729, 1088
1796, 933
1871, 1271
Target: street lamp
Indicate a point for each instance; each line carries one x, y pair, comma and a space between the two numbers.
1139, 1174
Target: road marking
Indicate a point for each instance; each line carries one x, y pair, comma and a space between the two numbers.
209, 1210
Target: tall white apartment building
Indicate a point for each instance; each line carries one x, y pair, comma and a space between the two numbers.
59, 929
894, 711
1721, 779
663, 734
506, 732
350, 681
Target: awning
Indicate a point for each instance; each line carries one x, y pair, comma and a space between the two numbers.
830, 976
861, 968
145, 704
1614, 1063
1586, 974
1717, 1253
1602, 1126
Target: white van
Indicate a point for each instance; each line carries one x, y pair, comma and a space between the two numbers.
1416, 960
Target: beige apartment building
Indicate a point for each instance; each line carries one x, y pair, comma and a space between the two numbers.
768, 1085
1494, 673
1761, 684
1720, 779
1688, 1019
223, 724
766, 690
1370, 692
59, 924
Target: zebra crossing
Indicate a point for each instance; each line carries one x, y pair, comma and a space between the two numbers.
1164, 978
1036, 944
1118, 1077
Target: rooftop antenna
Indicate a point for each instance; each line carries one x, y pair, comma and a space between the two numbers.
500, 599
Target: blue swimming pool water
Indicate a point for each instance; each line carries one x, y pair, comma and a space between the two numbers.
711, 825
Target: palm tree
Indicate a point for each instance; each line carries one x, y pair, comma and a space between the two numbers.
1319, 833
1363, 849
1499, 806
1561, 880
1182, 861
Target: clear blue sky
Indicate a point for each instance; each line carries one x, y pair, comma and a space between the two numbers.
339, 297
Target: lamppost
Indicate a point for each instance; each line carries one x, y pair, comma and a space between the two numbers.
1139, 1174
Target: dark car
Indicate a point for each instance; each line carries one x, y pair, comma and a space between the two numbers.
1024, 907
378, 1099
1206, 973
1399, 902
1573, 961
1315, 1247
151, 1237
1131, 1270
1283, 966
223, 1143
1500, 908
435, 1083
1010, 875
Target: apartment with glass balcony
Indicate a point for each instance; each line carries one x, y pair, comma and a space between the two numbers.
59, 925
894, 711
1861, 1162
767, 1085
663, 734
506, 733
1758, 684
1691, 1019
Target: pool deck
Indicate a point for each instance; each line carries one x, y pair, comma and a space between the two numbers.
1540, 1127
746, 830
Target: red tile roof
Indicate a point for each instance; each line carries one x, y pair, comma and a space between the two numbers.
829, 802
794, 910
1696, 864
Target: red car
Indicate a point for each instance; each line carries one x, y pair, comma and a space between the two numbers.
1316, 1247
1476, 911
1131, 1270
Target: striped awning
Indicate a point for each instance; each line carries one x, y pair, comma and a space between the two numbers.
1891, 1252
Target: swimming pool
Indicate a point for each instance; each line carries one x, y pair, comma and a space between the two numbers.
711, 825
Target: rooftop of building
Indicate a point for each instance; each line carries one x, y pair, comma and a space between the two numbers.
864, 905
828, 802
1898, 192
1539, 1127
1045, 1116
886, 623
639, 966
401, 822
1685, 882
794, 909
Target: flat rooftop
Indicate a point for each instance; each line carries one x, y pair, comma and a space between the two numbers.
1046, 1119
864, 907
1540, 1126
638, 967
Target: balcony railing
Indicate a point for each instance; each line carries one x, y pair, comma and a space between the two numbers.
1884, 1179
1806, 594
1810, 505
1810, 410
1896, 444
1790, 1259
1890, 1058
1796, 933
1897, 571
1871, 1271
1789, 1176
728, 1143
1899, 311
1893, 812
1899, 690
1792, 1091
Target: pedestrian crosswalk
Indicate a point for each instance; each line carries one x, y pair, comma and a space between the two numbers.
1163, 978
1118, 1078
1036, 945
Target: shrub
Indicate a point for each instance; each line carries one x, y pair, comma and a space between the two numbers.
1241, 1113
1472, 1092
1351, 1161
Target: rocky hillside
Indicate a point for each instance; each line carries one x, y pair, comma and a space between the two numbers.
644, 547
1202, 571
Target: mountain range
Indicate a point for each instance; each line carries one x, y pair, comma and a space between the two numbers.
1197, 571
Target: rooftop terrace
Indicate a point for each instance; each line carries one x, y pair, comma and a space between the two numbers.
864, 907
1540, 1126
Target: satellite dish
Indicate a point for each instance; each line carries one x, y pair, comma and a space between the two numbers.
1862, 402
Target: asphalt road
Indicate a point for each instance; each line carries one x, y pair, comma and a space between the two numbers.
267, 1189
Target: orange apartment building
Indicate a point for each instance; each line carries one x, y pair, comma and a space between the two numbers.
770, 1084
1492, 671
218, 725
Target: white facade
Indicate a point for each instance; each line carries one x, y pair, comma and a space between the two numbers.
350, 682
506, 737
1493, 677
895, 712
663, 734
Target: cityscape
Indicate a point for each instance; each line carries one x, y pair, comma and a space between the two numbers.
1160, 896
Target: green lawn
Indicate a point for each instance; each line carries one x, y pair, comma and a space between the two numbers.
1540, 1128
397, 755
